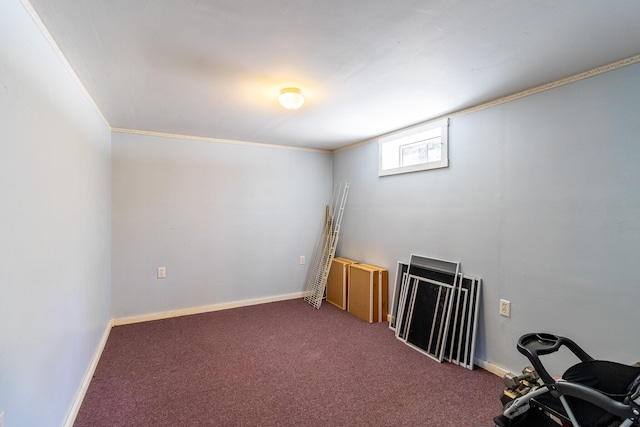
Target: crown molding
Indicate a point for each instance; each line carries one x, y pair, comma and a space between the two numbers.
509, 98
47, 35
216, 140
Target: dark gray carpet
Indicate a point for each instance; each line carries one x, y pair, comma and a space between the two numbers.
279, 364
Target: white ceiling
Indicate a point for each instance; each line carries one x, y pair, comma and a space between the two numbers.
214, 68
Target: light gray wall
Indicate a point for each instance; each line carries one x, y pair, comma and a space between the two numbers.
54, 227
541, 200
229, 222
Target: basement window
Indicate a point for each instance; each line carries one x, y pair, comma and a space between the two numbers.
416, 149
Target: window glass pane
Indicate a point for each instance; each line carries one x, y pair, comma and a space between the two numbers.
434, 152
412, 154
418, 148
389, 156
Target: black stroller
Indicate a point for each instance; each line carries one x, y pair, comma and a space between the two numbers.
592, 393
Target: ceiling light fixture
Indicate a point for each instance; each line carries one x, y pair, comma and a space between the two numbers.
291, 98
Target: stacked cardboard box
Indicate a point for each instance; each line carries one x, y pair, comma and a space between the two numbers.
361, 289
338, 282
367, 298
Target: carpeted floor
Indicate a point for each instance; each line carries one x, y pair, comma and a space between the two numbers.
279, 364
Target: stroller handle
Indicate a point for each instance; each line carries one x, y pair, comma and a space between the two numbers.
534, 345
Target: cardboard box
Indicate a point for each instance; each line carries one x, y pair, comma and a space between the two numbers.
367, 297
338, 282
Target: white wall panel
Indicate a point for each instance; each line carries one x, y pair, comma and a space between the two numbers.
55, 237
541, 200
229, 222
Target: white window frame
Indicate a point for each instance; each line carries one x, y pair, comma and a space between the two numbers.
390, 148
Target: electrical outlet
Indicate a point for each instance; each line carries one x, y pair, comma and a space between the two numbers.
505, 308
302, 260
162, 272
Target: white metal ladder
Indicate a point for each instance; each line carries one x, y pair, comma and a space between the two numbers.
317, 278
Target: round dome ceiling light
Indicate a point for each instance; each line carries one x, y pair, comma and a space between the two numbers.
291, 98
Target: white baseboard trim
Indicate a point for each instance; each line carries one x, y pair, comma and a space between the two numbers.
202, 309
77, 402
490, 367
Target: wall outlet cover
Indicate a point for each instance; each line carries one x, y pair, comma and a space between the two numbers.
505, 308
